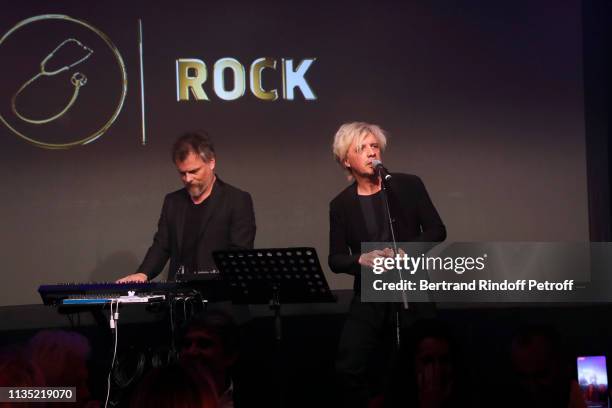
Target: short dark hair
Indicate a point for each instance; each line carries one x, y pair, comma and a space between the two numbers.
193, 142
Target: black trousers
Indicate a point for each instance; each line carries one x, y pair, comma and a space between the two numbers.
368, 345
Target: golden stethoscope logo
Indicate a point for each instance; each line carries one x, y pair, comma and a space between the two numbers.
78, 80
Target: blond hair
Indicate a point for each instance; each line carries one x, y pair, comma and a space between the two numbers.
355, 132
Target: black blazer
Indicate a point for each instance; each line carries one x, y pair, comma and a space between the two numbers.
415, 220
229, 223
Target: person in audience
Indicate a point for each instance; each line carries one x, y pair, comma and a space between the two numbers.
213, 340
62, 358
16, 370
184, 384
427, 373
538, 375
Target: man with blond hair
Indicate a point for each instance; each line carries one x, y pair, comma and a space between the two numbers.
358, 215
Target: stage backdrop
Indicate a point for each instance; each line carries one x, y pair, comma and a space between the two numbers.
483, 100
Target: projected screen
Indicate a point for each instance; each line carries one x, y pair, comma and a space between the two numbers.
483, 100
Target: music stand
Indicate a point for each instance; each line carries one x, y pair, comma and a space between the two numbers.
273, 276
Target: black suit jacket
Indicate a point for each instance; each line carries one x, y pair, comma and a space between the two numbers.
229, 223
415, 220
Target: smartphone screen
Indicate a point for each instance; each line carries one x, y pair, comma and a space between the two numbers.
593, 380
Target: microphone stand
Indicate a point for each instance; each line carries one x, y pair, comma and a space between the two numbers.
385, 196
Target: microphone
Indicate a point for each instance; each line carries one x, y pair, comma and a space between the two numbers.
384, 173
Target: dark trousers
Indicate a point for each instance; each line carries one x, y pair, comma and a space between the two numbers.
365, 350
367, 347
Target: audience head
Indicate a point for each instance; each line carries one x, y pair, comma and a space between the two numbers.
212, 339
16, 369
538, 370
62, 358
425, 372
185, 384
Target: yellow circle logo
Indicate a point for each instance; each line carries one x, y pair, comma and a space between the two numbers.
50, 94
